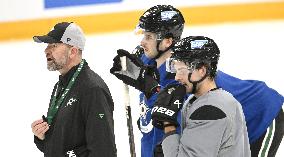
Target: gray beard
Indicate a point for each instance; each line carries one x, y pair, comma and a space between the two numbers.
54, 66
58, 64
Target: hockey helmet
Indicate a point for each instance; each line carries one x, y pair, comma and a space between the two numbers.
195, 51
164, 20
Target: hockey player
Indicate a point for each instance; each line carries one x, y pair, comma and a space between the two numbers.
213, 122
162, 26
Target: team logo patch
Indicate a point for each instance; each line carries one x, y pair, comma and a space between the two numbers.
167, 15
70, 102
197, 44
170, 90
71, 153
145, 118
101, 115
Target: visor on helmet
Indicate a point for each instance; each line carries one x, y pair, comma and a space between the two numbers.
170, 66
139, 30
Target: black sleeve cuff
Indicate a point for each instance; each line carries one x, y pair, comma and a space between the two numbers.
39, 143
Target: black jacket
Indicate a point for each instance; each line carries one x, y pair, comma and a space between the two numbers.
84, 121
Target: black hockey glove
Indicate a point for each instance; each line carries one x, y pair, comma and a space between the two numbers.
142, 77
167, 105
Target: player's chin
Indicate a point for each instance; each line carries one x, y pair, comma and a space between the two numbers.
149, 55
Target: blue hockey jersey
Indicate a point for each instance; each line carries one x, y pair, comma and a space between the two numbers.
151, 136
260, 104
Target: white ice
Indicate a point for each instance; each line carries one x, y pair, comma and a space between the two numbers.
251, 50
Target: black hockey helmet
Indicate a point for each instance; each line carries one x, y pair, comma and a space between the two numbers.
197, 51
164, 20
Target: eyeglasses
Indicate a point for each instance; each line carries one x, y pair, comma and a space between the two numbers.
183, 71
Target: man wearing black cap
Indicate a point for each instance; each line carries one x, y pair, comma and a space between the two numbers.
79, 120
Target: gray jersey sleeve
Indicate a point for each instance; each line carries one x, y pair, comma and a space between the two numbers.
202, 136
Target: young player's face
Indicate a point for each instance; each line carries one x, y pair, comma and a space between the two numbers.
57, 56
149, 43
182, 74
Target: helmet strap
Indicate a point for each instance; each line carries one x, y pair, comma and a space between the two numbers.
160, 52
194, 83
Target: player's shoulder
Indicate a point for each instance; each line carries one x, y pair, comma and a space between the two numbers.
208, 112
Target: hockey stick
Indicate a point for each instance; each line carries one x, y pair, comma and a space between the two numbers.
138, 51
129, 121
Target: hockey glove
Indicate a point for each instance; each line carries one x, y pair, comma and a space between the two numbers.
167, 105
142, 77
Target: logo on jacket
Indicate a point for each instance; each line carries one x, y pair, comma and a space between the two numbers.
101, 115
71, 153
70, 102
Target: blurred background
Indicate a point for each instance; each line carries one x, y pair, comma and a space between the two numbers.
249, 34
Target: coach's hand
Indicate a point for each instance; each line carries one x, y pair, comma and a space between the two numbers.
39, 128
167, 105
142, 77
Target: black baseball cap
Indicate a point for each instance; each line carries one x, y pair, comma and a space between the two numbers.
64, 32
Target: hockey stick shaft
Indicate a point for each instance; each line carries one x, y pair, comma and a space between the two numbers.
128, 113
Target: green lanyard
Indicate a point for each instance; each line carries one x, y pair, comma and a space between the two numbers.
55, 106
